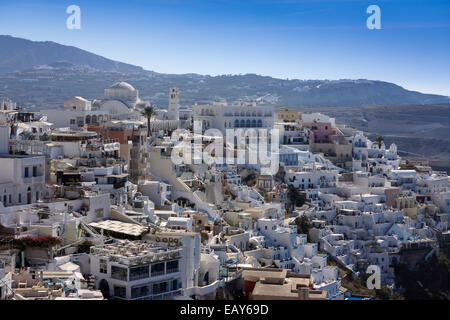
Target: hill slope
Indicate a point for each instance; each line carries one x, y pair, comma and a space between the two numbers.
38, 73
18, 54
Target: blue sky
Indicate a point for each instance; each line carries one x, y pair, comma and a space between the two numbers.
302, 39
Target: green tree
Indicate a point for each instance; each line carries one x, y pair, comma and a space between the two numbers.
296, 197
379, 140
148, 112
85, 246
303, 224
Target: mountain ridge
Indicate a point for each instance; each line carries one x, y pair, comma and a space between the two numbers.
42, 62
24, 53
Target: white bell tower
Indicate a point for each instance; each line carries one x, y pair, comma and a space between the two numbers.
173, 111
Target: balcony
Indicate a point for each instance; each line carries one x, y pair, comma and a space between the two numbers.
36, 179
173, 270
161, 296
157, 273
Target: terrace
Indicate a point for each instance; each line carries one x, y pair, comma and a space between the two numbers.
136, 253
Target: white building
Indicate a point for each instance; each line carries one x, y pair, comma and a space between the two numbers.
22, 179
7, 265
7, 104
77, 112
160, 193
318, 117
222, 116
137, 270
312, 179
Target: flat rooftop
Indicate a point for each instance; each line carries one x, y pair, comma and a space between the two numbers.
286, 291
120, 227
136, 252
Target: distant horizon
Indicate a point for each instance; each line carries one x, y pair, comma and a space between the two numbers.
223, 74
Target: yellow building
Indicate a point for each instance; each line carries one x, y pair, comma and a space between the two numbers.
408, 204
288, 115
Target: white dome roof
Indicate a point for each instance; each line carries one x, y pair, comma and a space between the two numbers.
122, 85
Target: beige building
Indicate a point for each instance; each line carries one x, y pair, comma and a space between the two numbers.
279, 284
288, 115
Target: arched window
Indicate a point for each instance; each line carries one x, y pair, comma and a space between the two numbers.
242, 123
247, 124
253, 123
236, 123
88, 119
94, 119
259, 123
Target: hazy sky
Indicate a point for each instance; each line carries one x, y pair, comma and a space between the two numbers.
309, 39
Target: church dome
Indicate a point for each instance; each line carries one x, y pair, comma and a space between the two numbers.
122, 85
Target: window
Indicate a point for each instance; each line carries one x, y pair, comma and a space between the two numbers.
120, 292
26, 172
119, 273
72, 121
175, 284
160, 287
34, 171
172, 266
20, 197
137, 292
103, 267
157, 269
140, 272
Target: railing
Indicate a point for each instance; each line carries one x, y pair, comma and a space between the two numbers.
210, 288
160, 296
34, 179
157, 273
173, 270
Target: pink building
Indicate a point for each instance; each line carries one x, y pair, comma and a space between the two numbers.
322, 132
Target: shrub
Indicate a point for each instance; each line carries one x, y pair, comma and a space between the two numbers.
85, 246
39, 242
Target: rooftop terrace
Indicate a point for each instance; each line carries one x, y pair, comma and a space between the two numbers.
136, 252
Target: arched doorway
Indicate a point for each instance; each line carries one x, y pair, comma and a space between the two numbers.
104, 288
